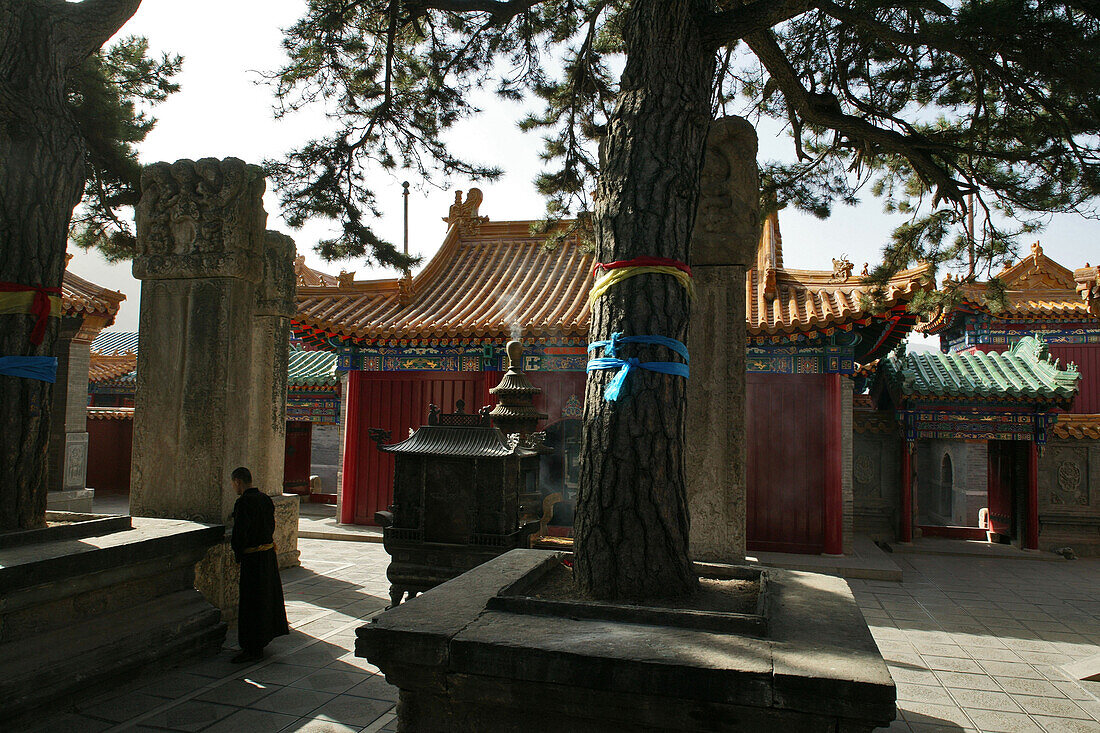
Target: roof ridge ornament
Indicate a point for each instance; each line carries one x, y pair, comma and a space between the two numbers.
464, 214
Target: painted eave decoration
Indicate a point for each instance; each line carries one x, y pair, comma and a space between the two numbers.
110, 413
1025, 373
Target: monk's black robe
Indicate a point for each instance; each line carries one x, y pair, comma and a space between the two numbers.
261, 614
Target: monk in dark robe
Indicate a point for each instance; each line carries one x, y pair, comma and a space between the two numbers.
261, 614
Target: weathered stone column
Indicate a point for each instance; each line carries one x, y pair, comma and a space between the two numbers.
209, 372
727, 230
271, 352
68, 422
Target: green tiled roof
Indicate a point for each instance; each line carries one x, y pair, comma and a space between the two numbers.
311, 369
1025, 372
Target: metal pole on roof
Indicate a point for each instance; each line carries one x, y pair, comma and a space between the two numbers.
405, 195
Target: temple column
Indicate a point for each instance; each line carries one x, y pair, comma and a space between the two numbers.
727, 230
349, 448
210, 377
905, 533
1031, 532
834, 467
69, 421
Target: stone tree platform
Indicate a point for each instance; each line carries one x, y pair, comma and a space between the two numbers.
463, 666
87, 601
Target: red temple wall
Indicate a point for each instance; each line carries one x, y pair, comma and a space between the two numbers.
398, 401
109, 445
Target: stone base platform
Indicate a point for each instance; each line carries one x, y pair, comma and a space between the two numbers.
462, 666
73, 500
77, 613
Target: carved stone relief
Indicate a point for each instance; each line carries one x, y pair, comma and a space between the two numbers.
727, 225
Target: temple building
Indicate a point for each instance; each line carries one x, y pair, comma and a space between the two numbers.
999, 431
438, 337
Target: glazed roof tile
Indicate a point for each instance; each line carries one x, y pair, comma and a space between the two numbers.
110, 413
112, 367
792, 301
116, 342
490, 280
1077, 427
487, 284
311, 369
1035, 288
81, 297
1025, 372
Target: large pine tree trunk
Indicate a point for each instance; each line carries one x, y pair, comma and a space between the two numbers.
632, 523
41, 180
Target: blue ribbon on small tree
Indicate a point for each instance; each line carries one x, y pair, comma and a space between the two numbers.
611, 360
42, 368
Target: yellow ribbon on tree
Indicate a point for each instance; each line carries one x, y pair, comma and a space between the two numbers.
616, 276
22, 302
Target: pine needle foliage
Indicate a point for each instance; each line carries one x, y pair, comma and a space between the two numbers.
946, 111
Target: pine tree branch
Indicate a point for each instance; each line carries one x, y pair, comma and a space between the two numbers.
826, 112
90, 23
501, 10
729, 26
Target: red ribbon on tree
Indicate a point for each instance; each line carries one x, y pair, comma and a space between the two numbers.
40, 305
641, 262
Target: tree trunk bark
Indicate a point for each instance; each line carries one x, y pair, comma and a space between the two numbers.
41, 180
632, 519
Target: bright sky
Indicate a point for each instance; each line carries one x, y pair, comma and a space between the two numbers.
222, 110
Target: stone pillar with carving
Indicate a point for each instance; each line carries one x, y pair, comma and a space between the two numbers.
207, 397
727, 230
69, 420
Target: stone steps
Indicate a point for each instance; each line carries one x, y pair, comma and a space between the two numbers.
81, 613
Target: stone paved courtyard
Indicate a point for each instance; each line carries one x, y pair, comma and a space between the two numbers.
973, 644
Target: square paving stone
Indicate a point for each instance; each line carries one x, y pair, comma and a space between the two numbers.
294, 701
968, 681
932, 714
174, 684
192, 715
951, 664
997, 721
353, 711
278, 673
1022, 686
1058, 707
123, 707
330, 680
1065, 725
923, 693
252, 721
1010, 669
70, 723
375, 687
985, 699
321, 725
239, 693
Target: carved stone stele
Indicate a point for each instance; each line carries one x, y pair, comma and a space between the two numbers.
727, 229
217, 294
200, 218
727, 225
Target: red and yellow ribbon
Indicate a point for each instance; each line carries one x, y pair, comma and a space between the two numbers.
620, 270
38, 301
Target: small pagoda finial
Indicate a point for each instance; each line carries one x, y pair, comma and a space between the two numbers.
514, 349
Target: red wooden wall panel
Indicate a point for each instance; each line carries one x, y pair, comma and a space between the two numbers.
109, 452
786, 451
297, 456
398, 401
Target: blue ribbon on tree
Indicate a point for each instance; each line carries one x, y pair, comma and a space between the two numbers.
42, 368
625, 366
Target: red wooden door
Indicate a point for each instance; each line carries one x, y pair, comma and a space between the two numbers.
297, 456
398, 401
786, 466
1000, 480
